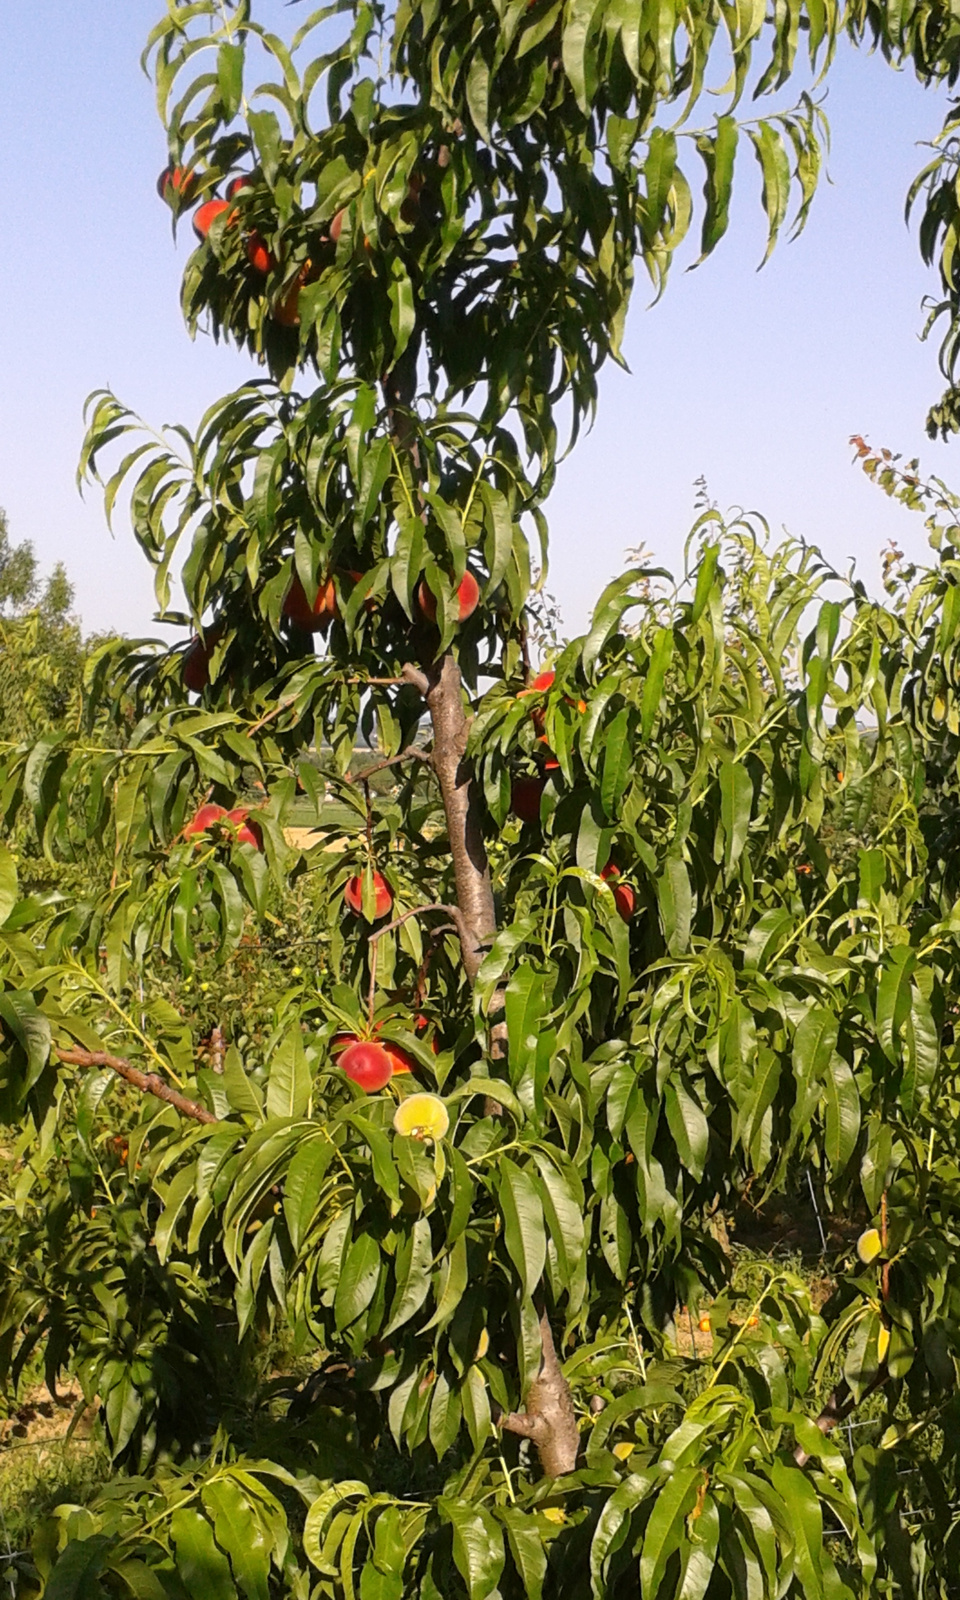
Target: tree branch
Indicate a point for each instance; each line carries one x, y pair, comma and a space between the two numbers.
452, 912
412, 754
420, 681
839, 1407
148, 1082
549, 1420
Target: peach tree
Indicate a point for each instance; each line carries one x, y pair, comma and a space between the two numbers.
382, 1296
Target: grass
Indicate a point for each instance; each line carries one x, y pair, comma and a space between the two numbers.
38, 1475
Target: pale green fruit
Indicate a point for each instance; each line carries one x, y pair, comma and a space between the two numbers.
869, 1246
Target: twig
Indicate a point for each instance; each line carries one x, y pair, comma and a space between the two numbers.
456, 920
420, 681
283, 705
838, 1408
412, 754
148, 1082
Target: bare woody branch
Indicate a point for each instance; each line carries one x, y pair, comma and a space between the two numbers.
147, 1082
456, 920
413, 754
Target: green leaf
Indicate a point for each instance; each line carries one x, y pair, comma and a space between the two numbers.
304, 1180
719, 153
9, 888
75, 1575
523, 1229
806, 1522
358, 1280
177, 1196
894, 998
240, 1532
736, 804
30, 1029
843, 1113
614, 1526
527, 1549
477, 1546
675, 898
204, 1569
661, 656
524, 1013
688, 1124
288, 1087
665, 1527
414, 1260
230, 78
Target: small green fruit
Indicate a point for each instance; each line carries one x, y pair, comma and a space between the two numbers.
869, 1246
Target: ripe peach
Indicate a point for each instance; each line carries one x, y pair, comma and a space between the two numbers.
624, 897
367, 1065
247, 832
195, 669
245, 181
353, 895
287, 312
206, 817
258, 254
401, 1060
317, 617
468, 598
206, 215
541, 683
525, 798
174, 184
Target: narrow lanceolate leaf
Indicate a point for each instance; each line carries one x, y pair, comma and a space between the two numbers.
775, 167
893, 998
523, 1229
843, 1113
660, 657
665, 1529
201, 1566
358, 1280
719, 152
736, 803
676, 904
477, 1546
8, 882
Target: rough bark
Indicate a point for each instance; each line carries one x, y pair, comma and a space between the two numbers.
549, 1421
839, 1407
444, 699
148, 1082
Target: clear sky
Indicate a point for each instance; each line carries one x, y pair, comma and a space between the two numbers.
753, 380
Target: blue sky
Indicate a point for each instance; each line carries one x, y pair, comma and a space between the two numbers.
752, 380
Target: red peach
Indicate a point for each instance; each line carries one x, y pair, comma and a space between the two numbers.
317, 617
247, 832
525, 798
206, 817
468, 598
258, 254
367, 1064
353, 895
195, 669
541, 683
624, 897
175, 184
205, 216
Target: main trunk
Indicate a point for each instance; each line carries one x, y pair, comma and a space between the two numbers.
549, 1420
